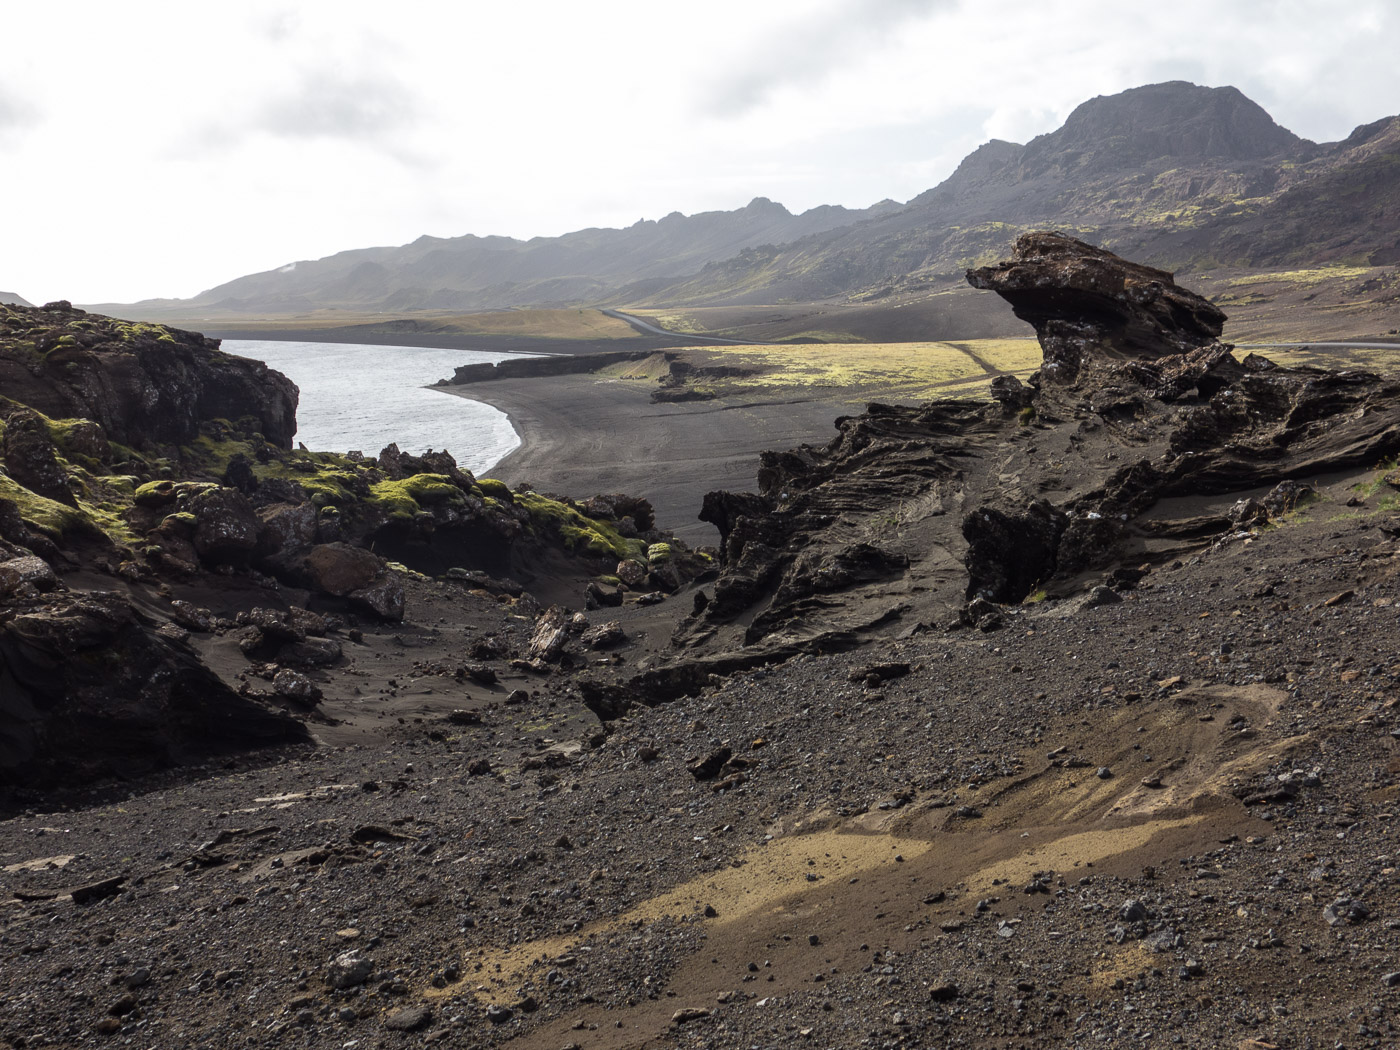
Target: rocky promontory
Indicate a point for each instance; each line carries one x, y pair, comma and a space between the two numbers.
1129, 448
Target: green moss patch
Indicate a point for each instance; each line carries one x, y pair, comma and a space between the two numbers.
580, 533
55, 520
407, 497
496, 490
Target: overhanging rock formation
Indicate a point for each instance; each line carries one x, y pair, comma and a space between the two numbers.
910, 512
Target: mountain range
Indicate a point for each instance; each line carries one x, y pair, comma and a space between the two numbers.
1182, 176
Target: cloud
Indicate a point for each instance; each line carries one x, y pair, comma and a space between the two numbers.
328, 104
809, 51
15, 112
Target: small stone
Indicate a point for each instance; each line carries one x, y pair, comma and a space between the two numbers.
497, 1014
349, 970
687, 1014
707, 767
293, 685
813, 939
1344, 909
138, 978
409, 1019
1103, 773
122, 1006
1132, 911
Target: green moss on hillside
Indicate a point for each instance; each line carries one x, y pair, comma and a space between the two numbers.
55, 520
580, 533
403, 499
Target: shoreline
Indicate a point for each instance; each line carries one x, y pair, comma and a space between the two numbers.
506, 344
581, 436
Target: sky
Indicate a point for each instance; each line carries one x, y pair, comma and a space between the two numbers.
153, 149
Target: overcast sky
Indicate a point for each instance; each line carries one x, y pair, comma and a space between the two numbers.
158, 149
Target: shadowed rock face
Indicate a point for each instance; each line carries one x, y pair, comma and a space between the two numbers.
88, 688
910, 512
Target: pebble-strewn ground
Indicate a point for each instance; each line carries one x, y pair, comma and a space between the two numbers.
1165, 821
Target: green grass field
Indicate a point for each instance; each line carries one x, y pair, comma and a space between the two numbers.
861, 371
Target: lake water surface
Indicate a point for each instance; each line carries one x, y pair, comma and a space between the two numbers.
356, 396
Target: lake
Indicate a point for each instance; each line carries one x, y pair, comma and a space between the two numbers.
356, 396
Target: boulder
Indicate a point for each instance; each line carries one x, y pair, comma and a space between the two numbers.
295, 686
286, 528
383, 598
226, 527
340, 569
358, 575
26, 570
603, 636
31, 459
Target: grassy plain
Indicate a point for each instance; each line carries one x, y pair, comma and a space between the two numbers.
844, 373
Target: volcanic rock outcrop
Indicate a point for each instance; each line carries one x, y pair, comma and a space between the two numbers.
1126, 449
145, 385
136, 459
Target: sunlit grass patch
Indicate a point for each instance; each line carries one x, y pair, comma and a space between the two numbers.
912, 370
1308, 277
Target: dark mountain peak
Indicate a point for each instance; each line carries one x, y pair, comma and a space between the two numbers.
1176, 121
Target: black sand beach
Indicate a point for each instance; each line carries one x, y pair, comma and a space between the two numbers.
581, 434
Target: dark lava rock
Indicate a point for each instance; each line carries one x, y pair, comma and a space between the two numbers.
909, 512
357, 574
226, 529
30, 456
90, 689
603, 636
145, 385
707, 767
1085, 301
26, 570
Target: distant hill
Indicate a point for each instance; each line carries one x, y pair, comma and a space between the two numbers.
481, 273
1181, 176
11, 299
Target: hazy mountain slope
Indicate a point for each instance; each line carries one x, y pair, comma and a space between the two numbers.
470, 272
1183, 176
11, 299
